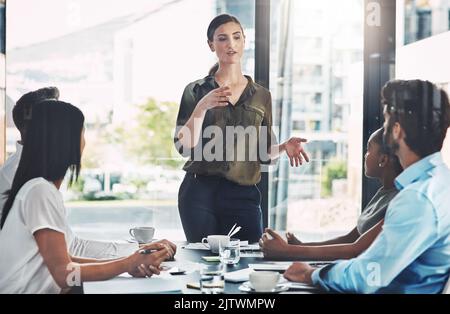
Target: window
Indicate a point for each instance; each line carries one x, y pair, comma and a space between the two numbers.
321, 198
125, 64
317, 98
425, 18
309, 70
298, 125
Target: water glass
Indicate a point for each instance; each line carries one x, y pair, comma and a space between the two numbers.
229, 252
211, 278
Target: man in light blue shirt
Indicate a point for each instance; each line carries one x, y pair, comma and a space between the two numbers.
412, 252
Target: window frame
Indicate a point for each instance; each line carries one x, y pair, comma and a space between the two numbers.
379, 67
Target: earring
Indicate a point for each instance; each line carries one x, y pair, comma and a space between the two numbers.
380, 165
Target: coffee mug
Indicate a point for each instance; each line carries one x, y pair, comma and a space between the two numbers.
264, 281
214, 240
142, 234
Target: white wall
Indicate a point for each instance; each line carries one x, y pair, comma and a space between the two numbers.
427, 59
168, 50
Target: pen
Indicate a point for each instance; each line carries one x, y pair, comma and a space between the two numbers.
147, 251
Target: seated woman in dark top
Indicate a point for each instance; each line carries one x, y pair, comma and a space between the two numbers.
379, 164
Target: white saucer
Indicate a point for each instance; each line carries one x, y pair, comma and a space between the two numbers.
247, 287
131, 240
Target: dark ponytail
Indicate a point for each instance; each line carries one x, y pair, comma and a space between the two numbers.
213, 26
213, 69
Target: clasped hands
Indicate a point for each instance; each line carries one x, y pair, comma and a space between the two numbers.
277, 247
147, 265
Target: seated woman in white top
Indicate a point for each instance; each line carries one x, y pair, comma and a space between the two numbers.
78, 246
33, 243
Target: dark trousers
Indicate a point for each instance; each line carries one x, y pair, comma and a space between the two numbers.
212, 205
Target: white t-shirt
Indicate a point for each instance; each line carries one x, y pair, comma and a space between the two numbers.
7, 172
38, 205
78, 246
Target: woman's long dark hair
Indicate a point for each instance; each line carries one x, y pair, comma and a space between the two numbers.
215, 24
51, 146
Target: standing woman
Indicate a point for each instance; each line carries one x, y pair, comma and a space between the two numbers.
219, 188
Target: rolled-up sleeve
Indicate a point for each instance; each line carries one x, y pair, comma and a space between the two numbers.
100, 249
187, 105
409, 229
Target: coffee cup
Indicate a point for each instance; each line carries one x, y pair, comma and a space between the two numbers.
142, 234
264, 281
214, 240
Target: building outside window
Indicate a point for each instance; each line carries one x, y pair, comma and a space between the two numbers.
424, 18
316, 80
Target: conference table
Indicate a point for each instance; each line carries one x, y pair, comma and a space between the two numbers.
180, 284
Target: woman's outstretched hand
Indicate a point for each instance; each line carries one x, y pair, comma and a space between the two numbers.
295, 151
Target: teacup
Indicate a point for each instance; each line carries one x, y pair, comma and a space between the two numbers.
214, 240
142, 234
264, 281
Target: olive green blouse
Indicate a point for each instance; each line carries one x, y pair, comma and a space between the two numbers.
254, 108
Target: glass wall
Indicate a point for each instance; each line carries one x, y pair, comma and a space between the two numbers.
125, 64
317, 87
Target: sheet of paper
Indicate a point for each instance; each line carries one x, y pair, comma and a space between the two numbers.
319, 264
197, 246
187, 266
211, 258
205, 246
121, 285
296, 285
252, 254
238, 275
250, 247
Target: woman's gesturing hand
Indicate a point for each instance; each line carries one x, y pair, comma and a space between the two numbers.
218, 97
295, 151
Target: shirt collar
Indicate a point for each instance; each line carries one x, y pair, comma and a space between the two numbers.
19, 147
418, 169
248, 92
